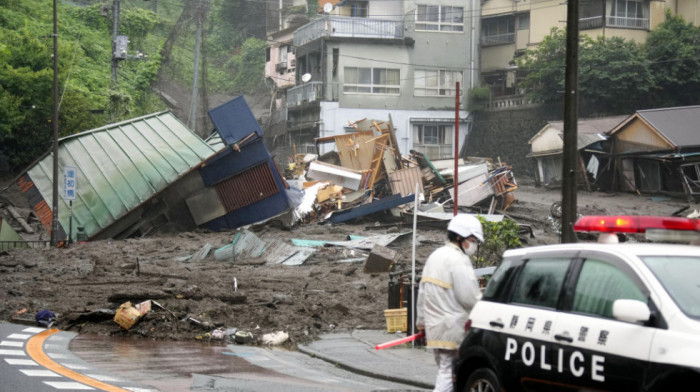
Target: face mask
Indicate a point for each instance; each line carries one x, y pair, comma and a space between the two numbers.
471, 250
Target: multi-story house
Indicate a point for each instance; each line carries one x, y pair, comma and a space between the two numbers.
390, 60
510, 27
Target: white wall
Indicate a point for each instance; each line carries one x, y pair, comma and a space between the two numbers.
334, 119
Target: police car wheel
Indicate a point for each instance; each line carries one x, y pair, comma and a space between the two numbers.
482, 380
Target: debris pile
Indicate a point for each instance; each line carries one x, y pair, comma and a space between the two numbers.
365, 173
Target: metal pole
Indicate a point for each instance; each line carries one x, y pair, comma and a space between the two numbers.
70, 224
197, 46
570, 157
115, 32
456, 174
54, 221
413, 266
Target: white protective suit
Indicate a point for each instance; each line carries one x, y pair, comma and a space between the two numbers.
448, 291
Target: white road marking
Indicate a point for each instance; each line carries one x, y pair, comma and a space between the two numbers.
39, 373
74, 366
11, 344
57, 356
102, 377
23, 362
19, 336
34, 330
67, 385
13, 352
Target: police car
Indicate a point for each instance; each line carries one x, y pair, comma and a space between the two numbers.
590, 316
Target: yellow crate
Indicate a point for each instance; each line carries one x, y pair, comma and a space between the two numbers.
396, 320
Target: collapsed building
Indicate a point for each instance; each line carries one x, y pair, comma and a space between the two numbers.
152, 174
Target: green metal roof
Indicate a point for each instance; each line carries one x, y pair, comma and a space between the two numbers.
119, 166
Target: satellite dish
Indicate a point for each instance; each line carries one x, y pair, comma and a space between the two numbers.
305, 77
327, 8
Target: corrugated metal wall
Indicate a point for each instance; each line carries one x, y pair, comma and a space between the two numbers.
247, 188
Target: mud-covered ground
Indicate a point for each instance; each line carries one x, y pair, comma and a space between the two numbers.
84, 284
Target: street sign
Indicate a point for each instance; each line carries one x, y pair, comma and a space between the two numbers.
70, 182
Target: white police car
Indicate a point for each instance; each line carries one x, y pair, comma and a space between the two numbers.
590, 316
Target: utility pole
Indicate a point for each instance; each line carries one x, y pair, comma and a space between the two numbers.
54, 220
115, 32
570, 157
195, 78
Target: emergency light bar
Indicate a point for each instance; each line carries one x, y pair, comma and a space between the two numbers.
656, 228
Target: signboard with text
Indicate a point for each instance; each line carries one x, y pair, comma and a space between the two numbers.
70, 182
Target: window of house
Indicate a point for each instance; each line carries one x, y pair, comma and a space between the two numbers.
433, 140
371, 80
283, 54
627, 9
629, 13
498, 31
267, 54
436, 82
439, 18
523, 21
591, 14
359, 9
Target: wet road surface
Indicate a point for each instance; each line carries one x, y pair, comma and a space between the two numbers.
195, 366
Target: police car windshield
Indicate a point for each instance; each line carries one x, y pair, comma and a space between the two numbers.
678, 275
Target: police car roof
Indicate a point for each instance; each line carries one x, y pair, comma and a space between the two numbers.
627, 248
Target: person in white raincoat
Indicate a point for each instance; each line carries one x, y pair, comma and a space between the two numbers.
448, 291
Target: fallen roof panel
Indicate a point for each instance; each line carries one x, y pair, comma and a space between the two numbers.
366, 209
119, 167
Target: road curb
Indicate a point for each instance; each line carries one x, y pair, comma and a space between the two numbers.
361, 371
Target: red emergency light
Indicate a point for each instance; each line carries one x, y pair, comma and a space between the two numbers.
659, 227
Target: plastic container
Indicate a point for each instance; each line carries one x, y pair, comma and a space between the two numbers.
396, 320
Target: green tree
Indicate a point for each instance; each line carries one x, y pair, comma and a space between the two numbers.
250, 66
613, 73
673, 50
84, 45
545, 67
498, 237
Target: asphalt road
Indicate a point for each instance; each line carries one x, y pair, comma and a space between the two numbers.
38, 360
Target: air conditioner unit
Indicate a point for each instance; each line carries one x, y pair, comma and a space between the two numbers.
281, 66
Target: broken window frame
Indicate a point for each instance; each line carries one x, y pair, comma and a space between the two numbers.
693, 183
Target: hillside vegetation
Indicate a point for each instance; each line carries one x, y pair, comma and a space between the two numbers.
161, 48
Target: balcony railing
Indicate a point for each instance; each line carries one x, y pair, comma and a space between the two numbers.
501, 39
311, 92
339, 26
509, 101
593, 22
630, 23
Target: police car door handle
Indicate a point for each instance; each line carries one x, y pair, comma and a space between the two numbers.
497, 324
564, 337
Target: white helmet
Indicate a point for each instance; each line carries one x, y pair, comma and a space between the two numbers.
465, 226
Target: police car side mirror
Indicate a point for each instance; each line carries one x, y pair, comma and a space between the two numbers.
631, 310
